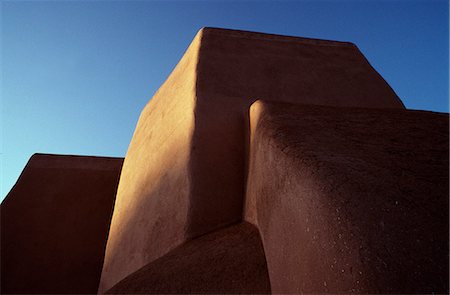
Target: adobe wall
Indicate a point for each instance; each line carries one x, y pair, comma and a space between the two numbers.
153, 199
55, 222
227, 261
346, 199
350, 200
250, 66
234, 69
184, 173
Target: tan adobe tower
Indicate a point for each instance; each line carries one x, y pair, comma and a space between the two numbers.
187, 159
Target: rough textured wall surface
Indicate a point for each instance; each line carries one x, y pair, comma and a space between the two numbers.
55, 222
228, 261
184, 173
234, 69
350, 200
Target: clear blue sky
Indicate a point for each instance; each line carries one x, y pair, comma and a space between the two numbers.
76, 74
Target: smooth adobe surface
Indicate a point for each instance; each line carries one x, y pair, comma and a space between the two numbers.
249, 65
184, 173
153, 199
55, 222
228, 261
350, 200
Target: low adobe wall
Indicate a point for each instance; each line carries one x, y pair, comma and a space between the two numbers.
350, 200
55, 222
227, 261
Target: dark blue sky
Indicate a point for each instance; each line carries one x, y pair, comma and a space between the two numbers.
76, 74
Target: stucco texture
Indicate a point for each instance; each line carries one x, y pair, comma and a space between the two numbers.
227, 261
350, 200
184, 174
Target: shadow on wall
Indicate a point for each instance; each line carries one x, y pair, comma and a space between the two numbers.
55, 222
229, 260
218, 164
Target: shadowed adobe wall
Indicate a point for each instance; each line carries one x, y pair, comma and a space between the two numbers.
55, 222
350, 200
234, 69
184, 173
227, 261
